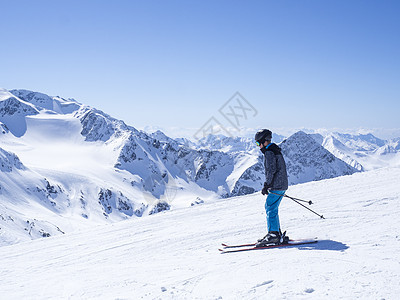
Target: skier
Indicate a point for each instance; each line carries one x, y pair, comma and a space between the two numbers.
275, 186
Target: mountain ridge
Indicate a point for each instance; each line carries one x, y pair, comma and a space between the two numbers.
87, 166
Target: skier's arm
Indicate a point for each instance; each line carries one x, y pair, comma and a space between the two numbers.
270, 167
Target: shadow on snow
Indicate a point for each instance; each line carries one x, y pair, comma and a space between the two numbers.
325, 245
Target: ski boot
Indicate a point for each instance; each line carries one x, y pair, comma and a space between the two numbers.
273, 238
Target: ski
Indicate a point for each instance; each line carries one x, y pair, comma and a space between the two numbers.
290, 243
251, 244
247, 245
238, 246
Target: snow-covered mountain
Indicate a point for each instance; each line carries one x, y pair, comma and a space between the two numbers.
13, 112
306, 160
360, 142
231, 144
361, 151
341, 151
83, 167
80, 166
27, 200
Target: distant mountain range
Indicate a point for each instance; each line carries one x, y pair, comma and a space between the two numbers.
66, 166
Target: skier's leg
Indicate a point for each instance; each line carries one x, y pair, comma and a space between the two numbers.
271, 207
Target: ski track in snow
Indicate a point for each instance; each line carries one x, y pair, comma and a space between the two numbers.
174, 254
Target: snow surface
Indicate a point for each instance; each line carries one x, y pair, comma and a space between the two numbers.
174, 254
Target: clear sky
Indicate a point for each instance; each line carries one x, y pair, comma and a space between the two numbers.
166, 64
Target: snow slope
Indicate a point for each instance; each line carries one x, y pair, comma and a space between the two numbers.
173, 255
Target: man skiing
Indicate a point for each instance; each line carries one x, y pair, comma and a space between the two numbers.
275, 185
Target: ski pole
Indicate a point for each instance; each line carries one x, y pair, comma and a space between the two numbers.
321, 216
297, 201
306, 201
293, 198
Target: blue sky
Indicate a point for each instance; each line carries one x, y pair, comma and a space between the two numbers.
312, 64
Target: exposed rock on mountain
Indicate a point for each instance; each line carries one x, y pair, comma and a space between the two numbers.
307, 161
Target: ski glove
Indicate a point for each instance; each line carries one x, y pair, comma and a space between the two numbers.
264, 191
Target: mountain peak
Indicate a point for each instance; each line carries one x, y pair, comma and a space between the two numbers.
13, 111
307, 160
44, 102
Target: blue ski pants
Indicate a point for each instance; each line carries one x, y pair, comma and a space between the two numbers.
271, 208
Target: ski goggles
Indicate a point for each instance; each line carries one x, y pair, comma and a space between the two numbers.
259, 143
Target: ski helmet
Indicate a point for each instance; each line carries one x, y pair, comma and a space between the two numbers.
263, 135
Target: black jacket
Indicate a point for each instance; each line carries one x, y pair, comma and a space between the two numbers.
275, 168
